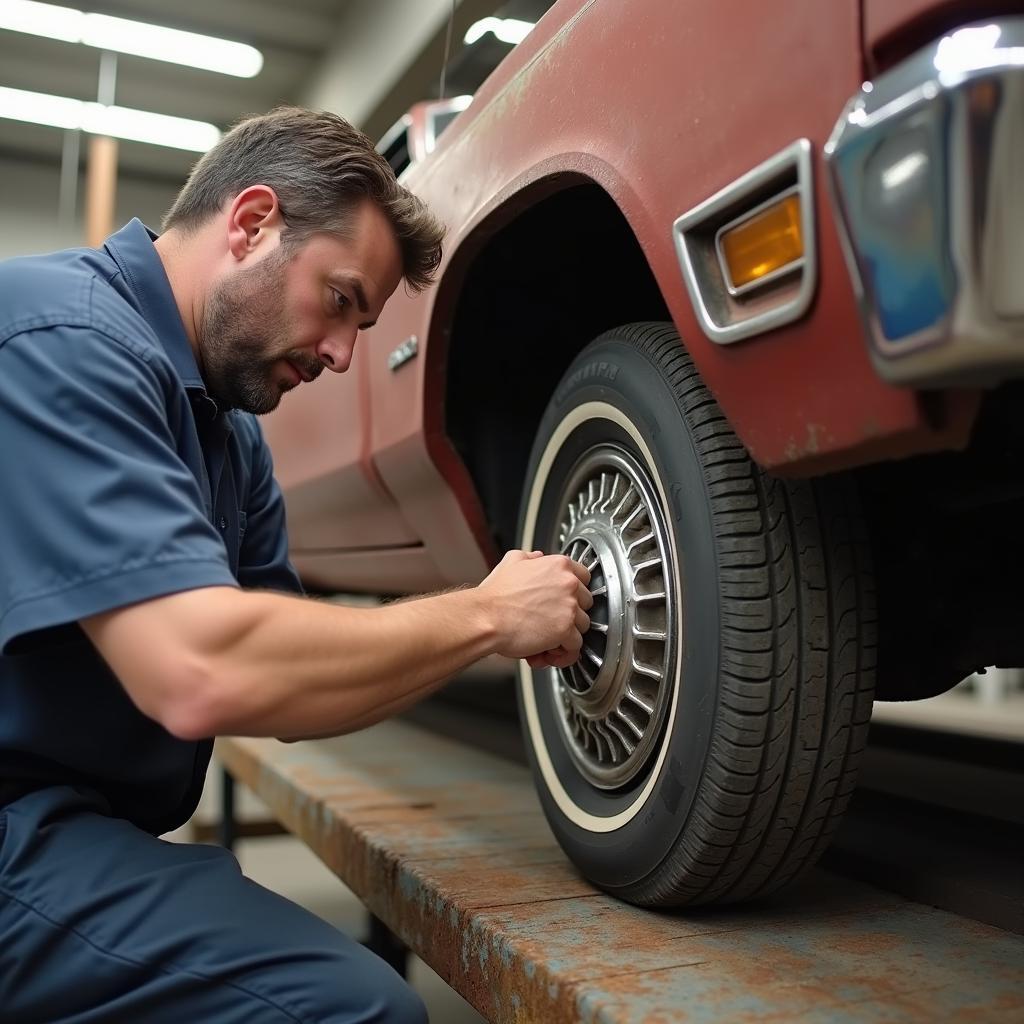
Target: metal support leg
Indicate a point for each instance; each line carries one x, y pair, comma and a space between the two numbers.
228, 826
388, 946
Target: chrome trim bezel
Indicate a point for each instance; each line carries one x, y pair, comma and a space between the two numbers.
793, 161
750, 286
973, 342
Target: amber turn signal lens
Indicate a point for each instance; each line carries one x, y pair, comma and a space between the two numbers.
768, 241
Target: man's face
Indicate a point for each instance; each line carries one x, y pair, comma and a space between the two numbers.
270, 325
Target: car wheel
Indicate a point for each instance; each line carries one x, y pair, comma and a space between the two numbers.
705, 745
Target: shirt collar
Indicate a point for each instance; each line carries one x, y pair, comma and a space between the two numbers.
133, 251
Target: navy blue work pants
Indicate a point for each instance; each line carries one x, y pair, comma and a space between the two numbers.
101, 922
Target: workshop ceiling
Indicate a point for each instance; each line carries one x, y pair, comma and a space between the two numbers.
296, 37
293, 37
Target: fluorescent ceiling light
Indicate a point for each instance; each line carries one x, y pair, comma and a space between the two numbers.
134, 37
508, 30
119, 122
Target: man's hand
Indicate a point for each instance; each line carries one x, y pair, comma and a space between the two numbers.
540, 604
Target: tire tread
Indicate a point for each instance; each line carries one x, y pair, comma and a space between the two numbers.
797, 656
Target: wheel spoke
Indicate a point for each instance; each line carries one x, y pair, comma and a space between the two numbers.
650, 634
637, 511
651, 671
604, 732
630, 724
586, 675
635, 698
622, 503
611, 496
647, 537
646, 564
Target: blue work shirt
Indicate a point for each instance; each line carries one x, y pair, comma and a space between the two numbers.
120, 481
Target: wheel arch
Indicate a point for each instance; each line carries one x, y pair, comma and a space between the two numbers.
543, 280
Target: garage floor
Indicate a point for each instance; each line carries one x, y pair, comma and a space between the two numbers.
286, 866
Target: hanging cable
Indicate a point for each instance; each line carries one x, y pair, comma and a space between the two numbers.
447, 52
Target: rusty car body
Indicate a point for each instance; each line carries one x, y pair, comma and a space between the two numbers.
826, 463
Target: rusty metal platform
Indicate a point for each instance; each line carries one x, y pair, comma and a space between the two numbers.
448, 846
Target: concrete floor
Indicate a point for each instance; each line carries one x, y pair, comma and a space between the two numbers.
286, 866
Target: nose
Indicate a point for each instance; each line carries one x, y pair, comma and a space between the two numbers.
335, 350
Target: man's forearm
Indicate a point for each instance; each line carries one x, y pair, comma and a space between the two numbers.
298, 667
221, 661
376, 714
218, 660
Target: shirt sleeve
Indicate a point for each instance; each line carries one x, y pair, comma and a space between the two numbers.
263, 559
99, 509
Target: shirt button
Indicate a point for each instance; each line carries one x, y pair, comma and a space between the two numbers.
223, 523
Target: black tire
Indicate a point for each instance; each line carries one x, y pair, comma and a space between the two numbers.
766, 667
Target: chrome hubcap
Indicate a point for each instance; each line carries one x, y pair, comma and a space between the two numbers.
614, 697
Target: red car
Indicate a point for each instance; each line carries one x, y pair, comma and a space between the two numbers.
731, 308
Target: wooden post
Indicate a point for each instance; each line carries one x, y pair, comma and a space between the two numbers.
101, 169
100, 189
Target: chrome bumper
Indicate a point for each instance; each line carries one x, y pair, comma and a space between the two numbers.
926, 167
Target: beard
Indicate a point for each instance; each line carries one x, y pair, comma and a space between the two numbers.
241, 335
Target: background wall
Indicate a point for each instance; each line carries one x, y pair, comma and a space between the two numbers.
29, 194
365, 59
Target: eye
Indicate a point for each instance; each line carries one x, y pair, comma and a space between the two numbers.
340, 300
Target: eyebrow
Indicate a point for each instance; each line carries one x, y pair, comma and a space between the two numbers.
357, 288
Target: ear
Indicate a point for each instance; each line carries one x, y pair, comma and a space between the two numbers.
254, 220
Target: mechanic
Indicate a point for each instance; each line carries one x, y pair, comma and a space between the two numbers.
144, 581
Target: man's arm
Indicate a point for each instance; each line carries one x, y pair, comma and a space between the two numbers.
219, 661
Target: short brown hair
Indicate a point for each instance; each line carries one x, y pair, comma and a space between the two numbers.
321, 167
